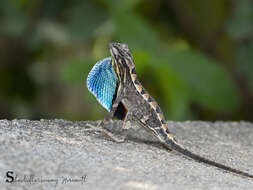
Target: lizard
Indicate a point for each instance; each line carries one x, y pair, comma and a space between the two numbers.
115, 84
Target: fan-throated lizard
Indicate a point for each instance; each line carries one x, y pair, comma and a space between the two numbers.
114, 83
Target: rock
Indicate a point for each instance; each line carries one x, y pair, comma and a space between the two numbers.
59, 154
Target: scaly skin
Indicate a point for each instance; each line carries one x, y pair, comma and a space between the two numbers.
136, 104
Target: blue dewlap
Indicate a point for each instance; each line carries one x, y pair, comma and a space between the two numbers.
102, 82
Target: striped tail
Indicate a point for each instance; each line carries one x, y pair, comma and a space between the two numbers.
171, 144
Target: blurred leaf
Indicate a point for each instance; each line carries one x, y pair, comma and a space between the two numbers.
77, 71
166, 86
210, 15
240, 25
210, 85
135, 31
84, 18
245, 60
122, 5
13, 17
103, 38
174, 90
142, 59
54, 33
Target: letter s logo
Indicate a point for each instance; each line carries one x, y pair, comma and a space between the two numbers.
9, 176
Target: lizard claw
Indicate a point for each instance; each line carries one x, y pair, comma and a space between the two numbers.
104, 131
127, 125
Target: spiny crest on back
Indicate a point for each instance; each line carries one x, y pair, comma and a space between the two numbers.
102, 82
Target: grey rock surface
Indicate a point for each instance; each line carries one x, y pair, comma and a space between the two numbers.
59, 154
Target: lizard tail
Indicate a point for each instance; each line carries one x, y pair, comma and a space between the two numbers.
169, 143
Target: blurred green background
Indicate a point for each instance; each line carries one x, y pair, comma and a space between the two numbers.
194, 57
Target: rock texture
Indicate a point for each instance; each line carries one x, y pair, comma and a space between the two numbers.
59, 154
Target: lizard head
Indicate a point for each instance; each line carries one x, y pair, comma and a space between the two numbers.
121, 55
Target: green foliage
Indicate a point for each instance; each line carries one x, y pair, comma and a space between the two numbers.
186, 77
194, 57
83, 20
76, 72
134, 31
13, 17
245, 66
241, 28
240, 25
175, 91
210, 85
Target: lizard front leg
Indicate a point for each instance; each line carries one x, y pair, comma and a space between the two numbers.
126, 125
127, 120
100, 126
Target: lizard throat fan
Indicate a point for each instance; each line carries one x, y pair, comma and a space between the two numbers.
102, 82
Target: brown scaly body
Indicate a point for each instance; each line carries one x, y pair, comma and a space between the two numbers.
138, 105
